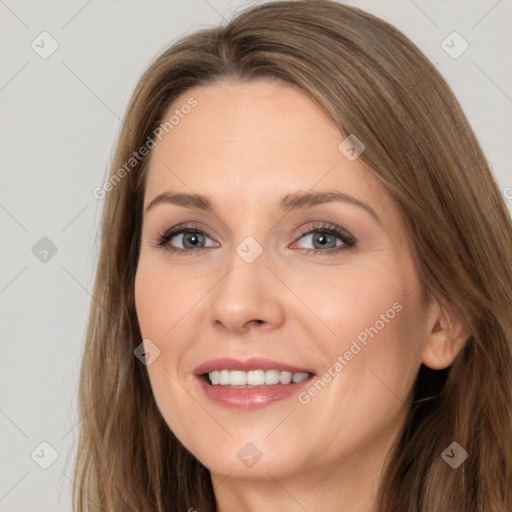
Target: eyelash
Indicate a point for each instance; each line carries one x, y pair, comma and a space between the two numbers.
348, 240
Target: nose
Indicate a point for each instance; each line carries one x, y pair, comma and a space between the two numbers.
248, 296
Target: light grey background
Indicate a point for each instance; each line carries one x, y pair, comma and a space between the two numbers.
60, 118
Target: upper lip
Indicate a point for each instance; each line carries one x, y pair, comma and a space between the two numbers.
253, 363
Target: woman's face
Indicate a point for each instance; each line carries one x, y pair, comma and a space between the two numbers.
324, 289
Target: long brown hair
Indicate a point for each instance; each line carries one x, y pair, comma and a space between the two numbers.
374, 83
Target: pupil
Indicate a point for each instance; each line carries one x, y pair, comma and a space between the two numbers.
322, 238
191, 238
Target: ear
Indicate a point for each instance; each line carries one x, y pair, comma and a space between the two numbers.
445, 339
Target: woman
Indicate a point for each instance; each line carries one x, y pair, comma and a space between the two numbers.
304, 292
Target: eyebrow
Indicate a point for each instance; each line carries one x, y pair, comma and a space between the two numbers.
294, 201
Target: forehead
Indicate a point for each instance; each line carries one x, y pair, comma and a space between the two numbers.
262, 138
268, 116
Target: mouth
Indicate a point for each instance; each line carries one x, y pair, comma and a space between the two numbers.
250, 384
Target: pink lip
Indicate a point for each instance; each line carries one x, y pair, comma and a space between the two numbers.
248, 398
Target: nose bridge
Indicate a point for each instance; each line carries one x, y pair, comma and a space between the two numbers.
245, 293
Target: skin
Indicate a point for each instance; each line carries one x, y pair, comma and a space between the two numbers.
246, 145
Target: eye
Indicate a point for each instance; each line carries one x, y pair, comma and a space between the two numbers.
184, 239
327, 239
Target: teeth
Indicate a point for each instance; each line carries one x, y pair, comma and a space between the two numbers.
254, 377
285, 377
299, 377
272, 377
237, 378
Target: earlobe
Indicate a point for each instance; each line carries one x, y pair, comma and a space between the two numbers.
445, 341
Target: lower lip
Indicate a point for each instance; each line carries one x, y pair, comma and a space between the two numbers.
250, 398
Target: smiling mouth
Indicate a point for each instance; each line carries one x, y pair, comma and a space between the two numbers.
254, 378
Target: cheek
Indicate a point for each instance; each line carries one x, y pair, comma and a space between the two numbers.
372, 353
162, 297
149, 295
165, 305
361, 303
363, 394
156, 308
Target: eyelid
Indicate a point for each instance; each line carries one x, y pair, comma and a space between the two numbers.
164, 236
348, 240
